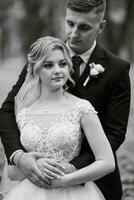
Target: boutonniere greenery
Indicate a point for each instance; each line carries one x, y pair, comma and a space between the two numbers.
95, 70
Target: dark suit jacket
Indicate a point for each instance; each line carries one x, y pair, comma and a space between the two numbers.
109, 93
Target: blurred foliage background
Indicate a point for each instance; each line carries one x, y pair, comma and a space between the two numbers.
23, 21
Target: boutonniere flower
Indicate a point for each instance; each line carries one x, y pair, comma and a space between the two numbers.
95, 70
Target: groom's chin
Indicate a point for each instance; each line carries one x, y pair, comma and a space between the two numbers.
74, 47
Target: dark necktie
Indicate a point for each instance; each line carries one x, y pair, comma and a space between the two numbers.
76, 66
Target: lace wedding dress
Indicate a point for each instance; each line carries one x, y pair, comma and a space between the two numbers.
59, 136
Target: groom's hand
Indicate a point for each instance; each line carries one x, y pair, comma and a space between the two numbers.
27, 163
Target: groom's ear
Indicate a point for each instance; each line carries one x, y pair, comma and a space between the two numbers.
102, 26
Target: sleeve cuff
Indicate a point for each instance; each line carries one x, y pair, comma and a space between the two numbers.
12, 156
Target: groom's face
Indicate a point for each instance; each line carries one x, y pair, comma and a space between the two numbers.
81, 29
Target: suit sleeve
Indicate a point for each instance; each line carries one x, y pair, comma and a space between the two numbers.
8, 128
117, 113
115, 118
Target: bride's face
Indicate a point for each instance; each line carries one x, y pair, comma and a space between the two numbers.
54, 71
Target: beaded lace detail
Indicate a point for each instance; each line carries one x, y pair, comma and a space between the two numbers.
59, 136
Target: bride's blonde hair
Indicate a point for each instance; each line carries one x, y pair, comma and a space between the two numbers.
38, 52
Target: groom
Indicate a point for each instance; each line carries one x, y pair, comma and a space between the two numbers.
101, 77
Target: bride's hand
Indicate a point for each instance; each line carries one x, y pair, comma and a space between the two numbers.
68, 167
50, 168
63, 181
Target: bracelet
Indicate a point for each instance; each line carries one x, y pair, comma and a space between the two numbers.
18, 162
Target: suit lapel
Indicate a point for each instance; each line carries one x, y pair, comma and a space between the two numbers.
98, 57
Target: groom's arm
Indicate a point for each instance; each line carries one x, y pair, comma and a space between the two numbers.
115, 117
117, 113
8, 128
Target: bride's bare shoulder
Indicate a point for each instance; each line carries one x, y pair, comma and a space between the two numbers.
72, 97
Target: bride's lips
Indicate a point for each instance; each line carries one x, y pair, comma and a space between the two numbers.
57, 78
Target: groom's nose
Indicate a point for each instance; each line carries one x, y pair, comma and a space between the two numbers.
74, 32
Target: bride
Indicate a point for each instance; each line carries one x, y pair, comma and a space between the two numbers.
53, 121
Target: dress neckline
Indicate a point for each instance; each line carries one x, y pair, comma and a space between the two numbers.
43, 111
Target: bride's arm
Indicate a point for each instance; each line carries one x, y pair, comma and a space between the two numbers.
104, 158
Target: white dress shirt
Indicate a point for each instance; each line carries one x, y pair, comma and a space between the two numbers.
85, 56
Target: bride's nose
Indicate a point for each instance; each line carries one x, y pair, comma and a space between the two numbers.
57, 69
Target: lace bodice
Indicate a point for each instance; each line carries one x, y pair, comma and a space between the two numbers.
58, 135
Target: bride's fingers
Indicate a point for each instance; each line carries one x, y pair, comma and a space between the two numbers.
56, 164
54, 170
37, 173
50, 165
51, 175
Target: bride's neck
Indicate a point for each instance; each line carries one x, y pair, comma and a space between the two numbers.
51, 95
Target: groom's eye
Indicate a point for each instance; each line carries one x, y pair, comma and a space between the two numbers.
84, 27
70, 23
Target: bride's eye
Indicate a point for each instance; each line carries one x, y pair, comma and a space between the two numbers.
63, 64
48, 65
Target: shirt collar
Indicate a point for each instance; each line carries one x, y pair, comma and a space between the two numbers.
85, 56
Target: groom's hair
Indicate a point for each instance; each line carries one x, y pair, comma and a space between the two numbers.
87, 5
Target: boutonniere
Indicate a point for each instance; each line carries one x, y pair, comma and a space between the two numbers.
95, 70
